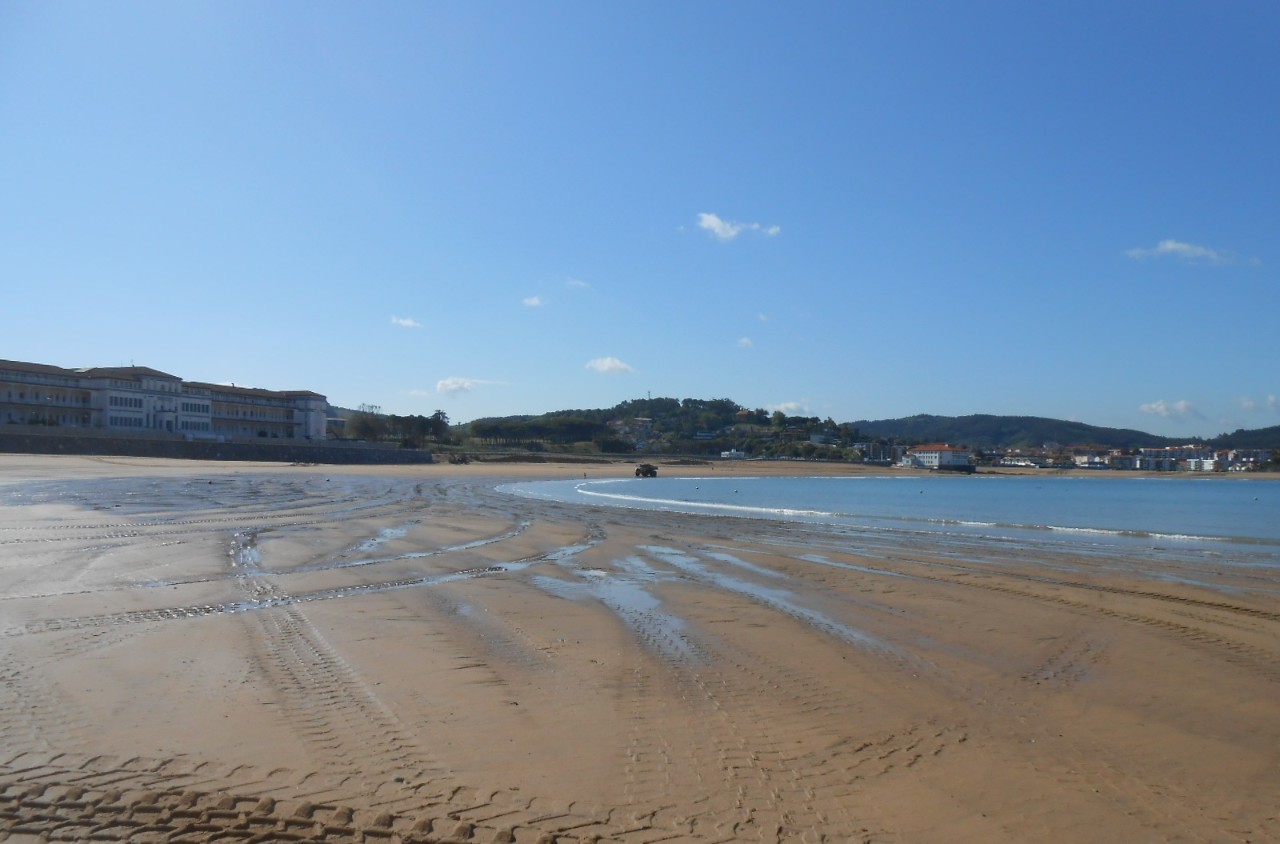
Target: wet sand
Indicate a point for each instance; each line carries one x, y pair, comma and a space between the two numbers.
199, 652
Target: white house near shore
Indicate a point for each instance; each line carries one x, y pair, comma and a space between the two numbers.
935, 456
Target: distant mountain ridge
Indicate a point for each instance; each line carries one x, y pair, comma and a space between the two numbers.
988, 431
1249, 438
981, 430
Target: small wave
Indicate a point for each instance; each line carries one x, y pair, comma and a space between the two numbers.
1129, 534
683, 503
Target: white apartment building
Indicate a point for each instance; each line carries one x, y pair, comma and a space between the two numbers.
140, 399
935, 456
1172, 458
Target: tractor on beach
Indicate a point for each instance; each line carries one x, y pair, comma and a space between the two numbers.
646, 470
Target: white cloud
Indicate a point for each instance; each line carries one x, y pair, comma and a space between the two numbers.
718, 227
1179, 249
576, 282
1247, 403
534, 301
1273, 403
745, 342
762, 317
1182, 409
454, 385
728, 230
790, 408
609, 366
405, 322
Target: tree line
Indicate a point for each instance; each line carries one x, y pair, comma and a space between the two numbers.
368, 423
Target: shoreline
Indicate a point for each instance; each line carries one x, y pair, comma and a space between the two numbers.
27, 466
347, 653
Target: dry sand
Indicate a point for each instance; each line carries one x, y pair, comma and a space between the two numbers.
199, 652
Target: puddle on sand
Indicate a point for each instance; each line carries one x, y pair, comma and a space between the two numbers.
743, 564
823, 561
627, 595
386, 535
244, 550
325, 565
778, 599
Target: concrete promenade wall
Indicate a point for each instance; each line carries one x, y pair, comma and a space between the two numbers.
100, 443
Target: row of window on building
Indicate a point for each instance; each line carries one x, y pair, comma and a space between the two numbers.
58, 398
126, 422
45, 418
142, 398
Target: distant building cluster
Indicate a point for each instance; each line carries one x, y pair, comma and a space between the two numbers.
637, 431
140, 399
1185, 458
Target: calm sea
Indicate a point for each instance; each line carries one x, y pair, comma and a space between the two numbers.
1231, 519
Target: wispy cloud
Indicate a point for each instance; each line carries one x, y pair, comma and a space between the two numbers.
453, 385
405, 322
1180, 249
609, 366
1182, 409
728, 229
1251, 405
745, 342
791, 408
567, 283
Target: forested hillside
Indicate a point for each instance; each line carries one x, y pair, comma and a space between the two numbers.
707, 426
986, 431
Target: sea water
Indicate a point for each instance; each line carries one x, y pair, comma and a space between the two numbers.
1224, 518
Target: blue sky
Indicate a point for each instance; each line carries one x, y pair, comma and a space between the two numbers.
845, 209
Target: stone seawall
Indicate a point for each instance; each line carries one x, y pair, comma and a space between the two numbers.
275, 452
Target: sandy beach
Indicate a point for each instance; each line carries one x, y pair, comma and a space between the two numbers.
258, 652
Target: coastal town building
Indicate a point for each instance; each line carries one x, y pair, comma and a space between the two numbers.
1172, 458
879, 452
1184, 458
144, 400
936, 456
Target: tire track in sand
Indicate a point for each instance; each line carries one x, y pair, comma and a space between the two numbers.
771, 757
62, 798
325, 702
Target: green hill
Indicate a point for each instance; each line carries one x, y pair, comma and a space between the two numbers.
1256, 438
707, 425
987, 431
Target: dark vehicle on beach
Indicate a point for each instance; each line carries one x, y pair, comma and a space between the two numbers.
646, 470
